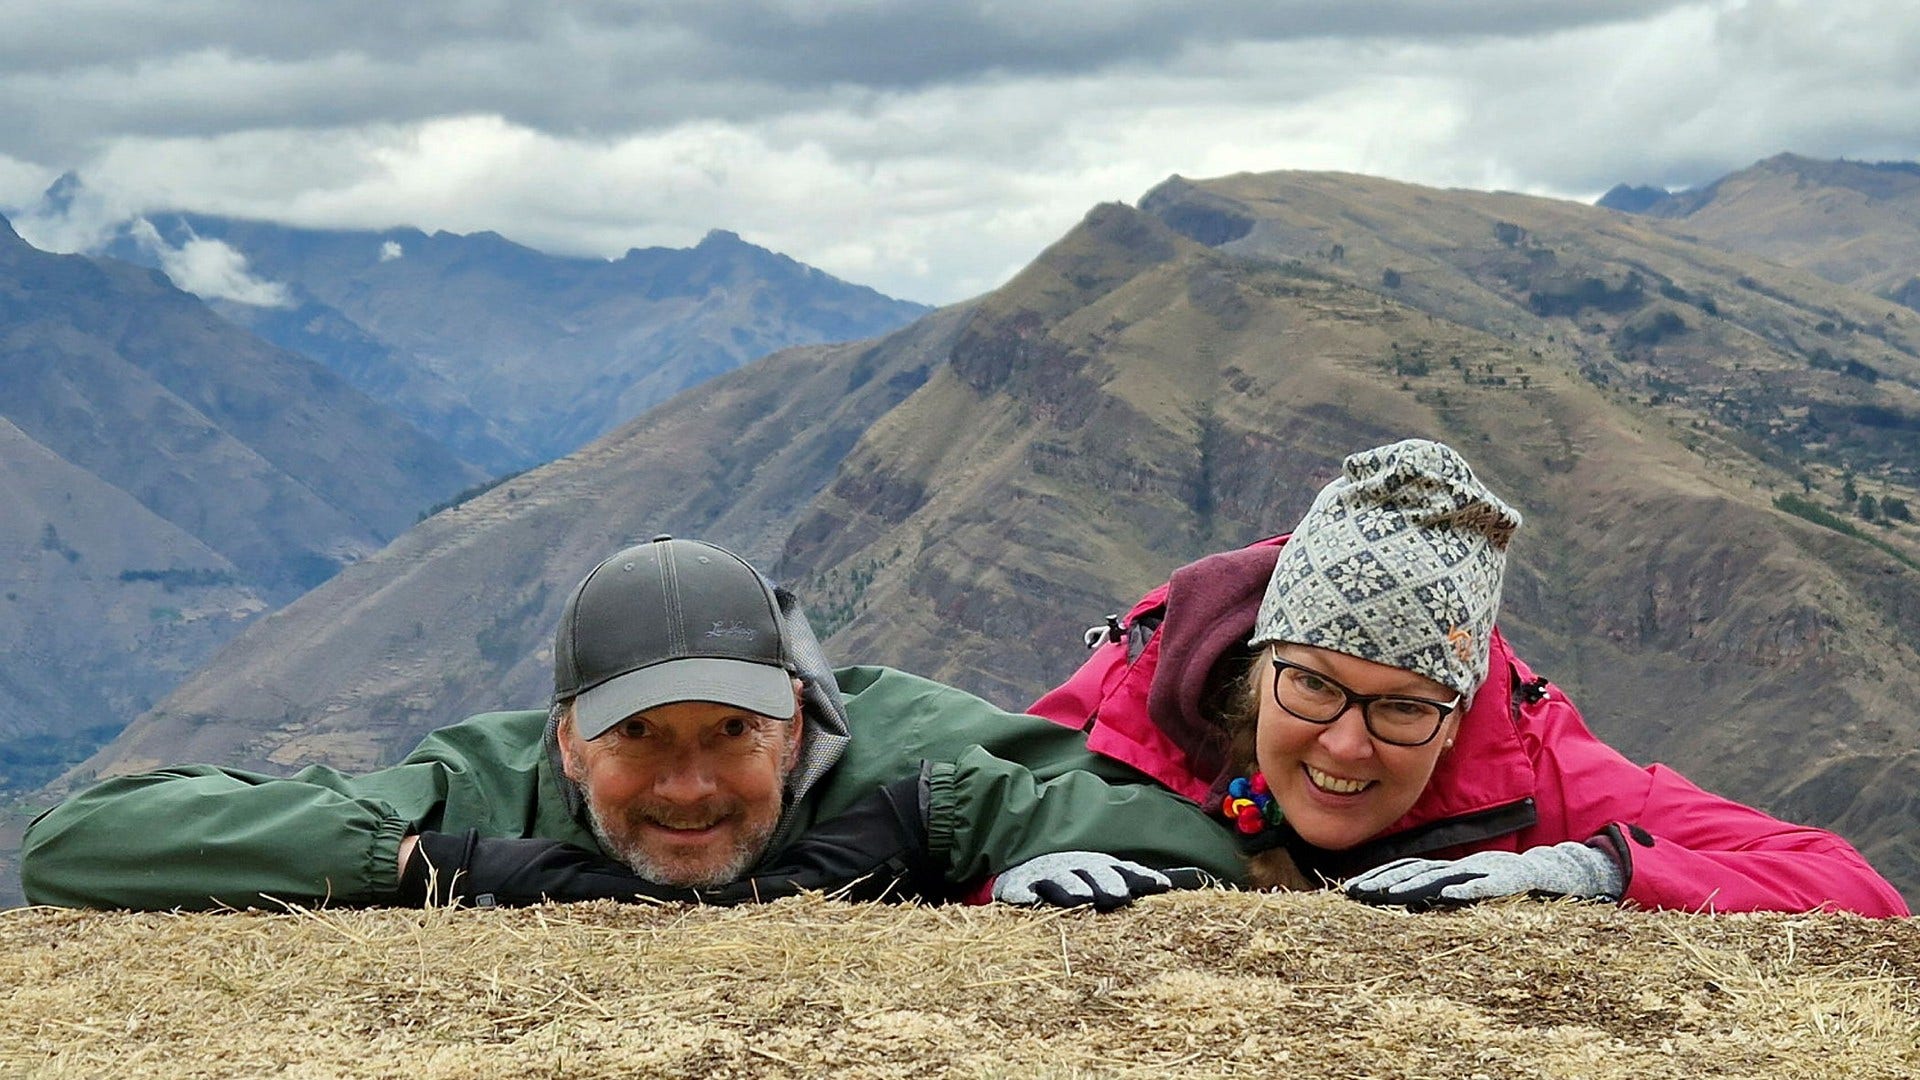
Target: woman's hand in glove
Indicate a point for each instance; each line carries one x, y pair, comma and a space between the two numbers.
1079, 878
1565, 869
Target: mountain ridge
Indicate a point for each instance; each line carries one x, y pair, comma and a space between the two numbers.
514, 355
1855, 223
290, 462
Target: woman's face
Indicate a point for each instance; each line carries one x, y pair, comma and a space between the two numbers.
1337, 785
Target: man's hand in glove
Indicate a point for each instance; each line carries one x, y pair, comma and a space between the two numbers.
467, 868
876, 849
1078, 878
1565, 869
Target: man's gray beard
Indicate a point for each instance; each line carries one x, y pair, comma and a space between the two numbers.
745, 854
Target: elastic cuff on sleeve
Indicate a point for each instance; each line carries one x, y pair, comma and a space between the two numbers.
942, 813
1613, 841
383, 857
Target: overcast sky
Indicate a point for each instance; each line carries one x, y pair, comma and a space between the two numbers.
927, 149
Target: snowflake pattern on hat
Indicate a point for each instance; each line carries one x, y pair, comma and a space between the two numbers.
1399, 561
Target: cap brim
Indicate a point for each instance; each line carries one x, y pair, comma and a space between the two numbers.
758, 688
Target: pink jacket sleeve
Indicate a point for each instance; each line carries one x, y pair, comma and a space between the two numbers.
1684, 848
1711, 854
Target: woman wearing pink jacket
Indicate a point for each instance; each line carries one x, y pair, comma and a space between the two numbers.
1343, 699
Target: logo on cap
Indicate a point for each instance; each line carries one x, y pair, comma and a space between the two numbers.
1462, 640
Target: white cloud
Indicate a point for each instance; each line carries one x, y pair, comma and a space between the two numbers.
211, 269
83, 219
391, 250
21, 182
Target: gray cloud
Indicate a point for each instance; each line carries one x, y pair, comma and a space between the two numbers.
873, 42
927, 149
95, 69
909, 44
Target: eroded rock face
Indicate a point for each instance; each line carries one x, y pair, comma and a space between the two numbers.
1197, 214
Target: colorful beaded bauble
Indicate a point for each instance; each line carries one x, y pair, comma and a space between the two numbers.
1249, 805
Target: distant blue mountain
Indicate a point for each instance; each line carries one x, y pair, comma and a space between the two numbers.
169, 478
509, 355
266, 456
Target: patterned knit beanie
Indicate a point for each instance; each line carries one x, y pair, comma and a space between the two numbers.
1398, 561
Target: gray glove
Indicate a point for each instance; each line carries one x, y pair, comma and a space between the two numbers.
1077, 878
1565, 869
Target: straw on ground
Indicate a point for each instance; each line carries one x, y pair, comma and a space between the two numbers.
1205, 984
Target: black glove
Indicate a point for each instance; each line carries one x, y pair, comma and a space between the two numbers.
485, 871
875, 850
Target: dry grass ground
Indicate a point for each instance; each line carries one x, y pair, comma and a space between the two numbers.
1188, 985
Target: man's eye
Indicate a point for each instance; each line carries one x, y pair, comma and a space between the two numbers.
735, 726
634, 729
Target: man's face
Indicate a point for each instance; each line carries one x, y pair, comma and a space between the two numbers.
687, 793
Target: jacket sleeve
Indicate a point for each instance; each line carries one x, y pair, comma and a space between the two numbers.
1691, 850
986, 814
1004, 787
198, 837
1686, 849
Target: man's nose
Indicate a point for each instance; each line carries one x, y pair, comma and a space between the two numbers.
688, 778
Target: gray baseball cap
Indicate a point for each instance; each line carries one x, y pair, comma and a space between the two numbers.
666, 621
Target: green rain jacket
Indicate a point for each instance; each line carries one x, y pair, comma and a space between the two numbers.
1003, 787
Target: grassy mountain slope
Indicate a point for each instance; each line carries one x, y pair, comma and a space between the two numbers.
385, 373
1173, 379
1852, 222
120, 373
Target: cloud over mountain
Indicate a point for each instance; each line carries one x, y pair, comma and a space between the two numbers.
211, 269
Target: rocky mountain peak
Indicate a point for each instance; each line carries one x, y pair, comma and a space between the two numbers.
1854, 223
1633, 199
62, 193
723, 238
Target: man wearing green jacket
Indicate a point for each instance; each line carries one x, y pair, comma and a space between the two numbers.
697, 748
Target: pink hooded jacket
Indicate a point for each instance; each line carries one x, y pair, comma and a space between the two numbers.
1524, 770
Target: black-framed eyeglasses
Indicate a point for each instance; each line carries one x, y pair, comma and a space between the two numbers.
1392, 718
